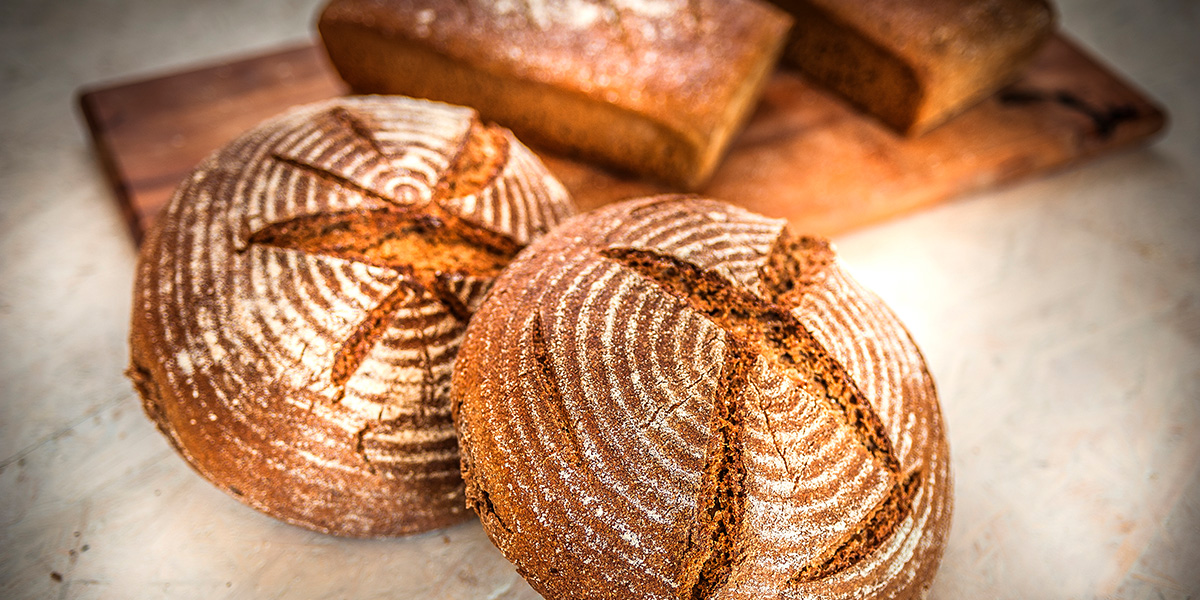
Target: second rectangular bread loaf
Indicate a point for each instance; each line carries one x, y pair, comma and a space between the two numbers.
915, 63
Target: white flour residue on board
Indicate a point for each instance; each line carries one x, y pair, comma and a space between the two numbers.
581, 14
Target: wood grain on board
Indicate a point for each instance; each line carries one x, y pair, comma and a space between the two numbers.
805, 155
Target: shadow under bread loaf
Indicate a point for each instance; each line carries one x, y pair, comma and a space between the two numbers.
299, 303
915, 64
676, 398
655, 87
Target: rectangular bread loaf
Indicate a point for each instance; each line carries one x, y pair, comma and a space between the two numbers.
655, 87
915, 63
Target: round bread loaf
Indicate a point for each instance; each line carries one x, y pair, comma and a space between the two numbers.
299, 303
675, 398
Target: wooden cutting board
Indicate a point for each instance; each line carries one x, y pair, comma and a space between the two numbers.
804, 156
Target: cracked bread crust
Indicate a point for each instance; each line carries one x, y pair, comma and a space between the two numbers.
299, 303
674, 398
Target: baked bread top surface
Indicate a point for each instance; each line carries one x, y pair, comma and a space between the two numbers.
679, 61
298, 305
674, 398
944, 30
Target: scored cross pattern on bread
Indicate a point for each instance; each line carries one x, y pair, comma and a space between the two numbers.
432, 249
703, 406
301, 304
439, 256
762, 327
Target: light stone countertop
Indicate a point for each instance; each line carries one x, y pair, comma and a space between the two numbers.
1060, 318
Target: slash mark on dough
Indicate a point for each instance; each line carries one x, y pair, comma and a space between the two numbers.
763, 326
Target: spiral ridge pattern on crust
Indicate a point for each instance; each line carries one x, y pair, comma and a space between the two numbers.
676, 398
299, 304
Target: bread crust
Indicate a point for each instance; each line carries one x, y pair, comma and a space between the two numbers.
675, 398
653, 87
916, 64
299, 302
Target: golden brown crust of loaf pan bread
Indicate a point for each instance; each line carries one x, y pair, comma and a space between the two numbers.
300, 301
675, 398
916, 64
656, 87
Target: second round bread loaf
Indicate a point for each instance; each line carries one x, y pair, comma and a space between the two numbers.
675, 398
